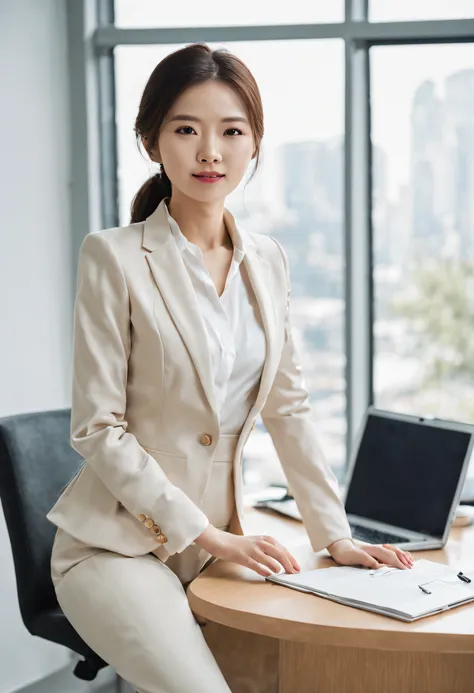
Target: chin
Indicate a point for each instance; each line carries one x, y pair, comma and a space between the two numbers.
208, 193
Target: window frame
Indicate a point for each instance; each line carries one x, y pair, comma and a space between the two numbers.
94, 186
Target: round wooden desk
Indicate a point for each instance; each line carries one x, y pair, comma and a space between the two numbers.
268, 638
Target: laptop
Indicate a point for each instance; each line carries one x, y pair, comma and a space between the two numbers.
405, 479
404, 483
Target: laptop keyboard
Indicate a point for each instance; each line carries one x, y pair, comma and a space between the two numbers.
375, 536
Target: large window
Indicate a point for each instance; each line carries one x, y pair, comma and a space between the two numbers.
368, 163
398, 10
296, 196
146, 13
423, 214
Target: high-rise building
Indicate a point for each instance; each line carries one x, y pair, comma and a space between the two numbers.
459, 128
442, 166
312, 182
426, 166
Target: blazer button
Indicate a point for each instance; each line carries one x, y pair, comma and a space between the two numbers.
206, 439
149, 523
155, 529
161, 539
142, 517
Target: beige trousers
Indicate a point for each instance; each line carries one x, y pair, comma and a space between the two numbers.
134, 612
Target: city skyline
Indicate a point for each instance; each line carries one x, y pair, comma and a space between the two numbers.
392, 88
297, 196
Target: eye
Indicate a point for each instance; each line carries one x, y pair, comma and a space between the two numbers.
234, 130
185, 127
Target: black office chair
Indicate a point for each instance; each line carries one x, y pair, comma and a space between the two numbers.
36, 462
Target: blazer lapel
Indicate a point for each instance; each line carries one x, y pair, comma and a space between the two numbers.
259, 275
258, 271
172, 279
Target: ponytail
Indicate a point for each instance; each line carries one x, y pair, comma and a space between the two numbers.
147, 199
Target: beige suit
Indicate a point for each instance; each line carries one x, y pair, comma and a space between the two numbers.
144, 415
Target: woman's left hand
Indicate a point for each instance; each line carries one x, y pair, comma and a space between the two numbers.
347, 552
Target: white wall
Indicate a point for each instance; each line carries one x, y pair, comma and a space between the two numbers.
35, 265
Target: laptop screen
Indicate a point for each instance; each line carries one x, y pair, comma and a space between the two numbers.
406, 474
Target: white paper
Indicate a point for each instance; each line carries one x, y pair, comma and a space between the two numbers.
388, 589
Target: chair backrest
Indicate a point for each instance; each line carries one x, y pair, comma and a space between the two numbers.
36, 463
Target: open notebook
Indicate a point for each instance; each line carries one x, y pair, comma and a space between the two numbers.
408, 595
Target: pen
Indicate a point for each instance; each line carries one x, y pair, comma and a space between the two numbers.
423, 589
459, 575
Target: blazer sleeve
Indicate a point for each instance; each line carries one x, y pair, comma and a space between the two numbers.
98, 423
289, 419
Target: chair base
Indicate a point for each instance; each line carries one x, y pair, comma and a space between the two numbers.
86, 670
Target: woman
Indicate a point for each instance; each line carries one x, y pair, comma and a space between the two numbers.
181, 340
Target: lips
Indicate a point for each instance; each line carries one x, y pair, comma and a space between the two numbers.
208, 175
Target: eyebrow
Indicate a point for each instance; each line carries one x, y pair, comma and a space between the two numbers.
230, 119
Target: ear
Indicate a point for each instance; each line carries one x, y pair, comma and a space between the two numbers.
153, 153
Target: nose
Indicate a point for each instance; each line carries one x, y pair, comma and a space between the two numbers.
208, 154
205, 159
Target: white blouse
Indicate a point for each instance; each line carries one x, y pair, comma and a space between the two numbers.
233, 326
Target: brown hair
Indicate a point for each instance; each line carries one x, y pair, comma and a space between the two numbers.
184, 68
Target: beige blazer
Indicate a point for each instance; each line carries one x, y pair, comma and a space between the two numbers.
144, 416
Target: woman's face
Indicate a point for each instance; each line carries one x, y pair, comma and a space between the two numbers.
207, 129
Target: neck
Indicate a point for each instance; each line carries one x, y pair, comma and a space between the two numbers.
202, 223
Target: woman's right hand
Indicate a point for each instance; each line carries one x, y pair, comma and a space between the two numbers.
263, 554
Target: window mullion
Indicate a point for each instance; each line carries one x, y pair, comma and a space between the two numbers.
358, 238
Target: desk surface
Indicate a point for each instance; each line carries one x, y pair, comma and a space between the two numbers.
234, 596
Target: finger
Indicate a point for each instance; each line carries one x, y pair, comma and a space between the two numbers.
401, 556
391, 558
266, 560
295, 563
367, 560
271, 540
276, 556
404, 556
293, 560
284, 551
279, 553
255, 565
